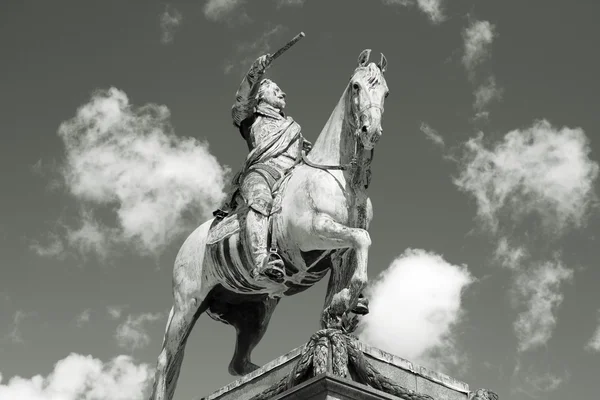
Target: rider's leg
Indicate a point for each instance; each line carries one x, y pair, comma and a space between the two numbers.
257, 194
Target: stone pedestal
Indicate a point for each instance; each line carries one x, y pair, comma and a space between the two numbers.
421, 382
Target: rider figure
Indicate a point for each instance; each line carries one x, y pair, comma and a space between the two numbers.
275, 142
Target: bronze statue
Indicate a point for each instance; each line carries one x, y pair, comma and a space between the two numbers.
311, 211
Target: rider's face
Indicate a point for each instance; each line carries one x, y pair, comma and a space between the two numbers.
275, 96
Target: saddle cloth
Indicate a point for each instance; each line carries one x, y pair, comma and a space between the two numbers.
230, 255
227, 246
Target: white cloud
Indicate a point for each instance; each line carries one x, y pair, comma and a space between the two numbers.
170, 20
594, 344
83, 318
53, 247
83, 377
432, 134
131, 334
510, 256
484, 94
251, 50
38, 167
15, 334
534, 383
281, 3
115, 311
4, 297
127, 162
543, 176
539, 171
92, 237
219, 9
414, 306
539, 289
478, 37
432, 8
544, 383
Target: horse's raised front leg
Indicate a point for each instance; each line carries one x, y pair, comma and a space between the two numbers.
337, 235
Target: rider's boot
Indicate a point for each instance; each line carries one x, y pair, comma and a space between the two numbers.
265, 264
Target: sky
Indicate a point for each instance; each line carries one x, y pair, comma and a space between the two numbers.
117, 141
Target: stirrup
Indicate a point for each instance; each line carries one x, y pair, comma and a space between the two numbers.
274, 273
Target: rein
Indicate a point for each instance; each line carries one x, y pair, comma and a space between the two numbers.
353, 160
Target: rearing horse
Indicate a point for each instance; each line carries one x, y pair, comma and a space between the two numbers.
320, 223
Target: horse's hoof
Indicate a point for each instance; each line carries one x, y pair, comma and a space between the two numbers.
362, 308
244, 369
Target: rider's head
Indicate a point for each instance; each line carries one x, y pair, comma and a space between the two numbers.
270, 93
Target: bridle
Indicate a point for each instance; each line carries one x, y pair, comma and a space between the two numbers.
354, 158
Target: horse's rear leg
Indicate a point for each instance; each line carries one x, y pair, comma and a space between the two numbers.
179, 325
250, 321
337, 235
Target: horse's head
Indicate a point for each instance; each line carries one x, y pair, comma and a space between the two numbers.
367, 93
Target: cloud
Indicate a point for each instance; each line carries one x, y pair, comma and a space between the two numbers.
544, 383
92, 236
432, 134
534, 383
15, 334
217, 10
484, 95
542, 171
423, 331
539, 177
4, 297
115, 311
127, 163
227, 10
539, 289
83, 377
38, 168
53, 247
510, 256
83, 318
594, 344
131, 334
432, 8
478, 37
248, 51
282, 3
170, 20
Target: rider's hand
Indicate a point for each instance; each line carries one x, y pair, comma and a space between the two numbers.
306, 146
262, 63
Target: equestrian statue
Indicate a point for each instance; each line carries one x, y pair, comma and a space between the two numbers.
296, 211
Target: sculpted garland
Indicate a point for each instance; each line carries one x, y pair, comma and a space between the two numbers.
296, 212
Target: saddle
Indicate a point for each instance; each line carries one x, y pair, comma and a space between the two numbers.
227, 219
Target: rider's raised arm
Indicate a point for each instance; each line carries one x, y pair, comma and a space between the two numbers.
245, 97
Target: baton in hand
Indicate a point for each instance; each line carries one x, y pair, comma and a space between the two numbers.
286, 47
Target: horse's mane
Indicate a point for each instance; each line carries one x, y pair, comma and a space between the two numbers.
328, 148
